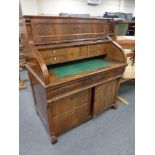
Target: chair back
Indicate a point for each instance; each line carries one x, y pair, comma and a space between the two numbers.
122, 29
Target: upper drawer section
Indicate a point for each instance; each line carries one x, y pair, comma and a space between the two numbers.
59, 55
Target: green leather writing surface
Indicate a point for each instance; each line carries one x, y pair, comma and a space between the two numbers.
76, 67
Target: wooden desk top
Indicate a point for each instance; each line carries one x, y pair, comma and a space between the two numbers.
56, 80
77, 67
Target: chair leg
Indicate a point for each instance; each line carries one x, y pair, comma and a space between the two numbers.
122, 100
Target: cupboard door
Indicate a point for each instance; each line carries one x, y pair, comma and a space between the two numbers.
62, 123
67, 104
70, 111
104, 96
70, 119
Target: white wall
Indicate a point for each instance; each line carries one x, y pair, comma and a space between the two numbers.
29, 7
76, 6
128, 6
54, 7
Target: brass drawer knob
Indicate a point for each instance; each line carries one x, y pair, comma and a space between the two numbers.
53, 51
55, 58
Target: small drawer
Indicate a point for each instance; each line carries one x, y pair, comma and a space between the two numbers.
54, 52
102, 48
118, 72
97, 49
78, 52
94, 50
55, 59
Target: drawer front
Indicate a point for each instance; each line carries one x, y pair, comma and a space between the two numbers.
97, 49
54, 55
119, 71
66, 104
54, 52
78, 52
55, 59
71, 119
93, 50
102, 48
84, 83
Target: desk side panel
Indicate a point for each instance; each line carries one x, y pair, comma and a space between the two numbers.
39, 94
115, 53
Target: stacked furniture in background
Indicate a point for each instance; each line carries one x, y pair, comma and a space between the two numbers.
121, 15
62, 14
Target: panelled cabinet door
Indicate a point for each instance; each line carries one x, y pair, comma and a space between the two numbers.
70, 111
104, 96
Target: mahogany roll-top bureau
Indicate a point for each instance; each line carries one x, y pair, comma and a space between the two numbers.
74, 69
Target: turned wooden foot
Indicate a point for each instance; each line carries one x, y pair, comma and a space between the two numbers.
114, 106
54, 139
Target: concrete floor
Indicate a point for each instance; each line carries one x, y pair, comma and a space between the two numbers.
111, 133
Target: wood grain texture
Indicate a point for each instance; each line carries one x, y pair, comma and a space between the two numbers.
70, 111
104, 96
63, 103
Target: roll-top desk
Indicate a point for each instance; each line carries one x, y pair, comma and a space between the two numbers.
74, 69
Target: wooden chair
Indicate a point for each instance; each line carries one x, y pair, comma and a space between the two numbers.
128, 44
120, 31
